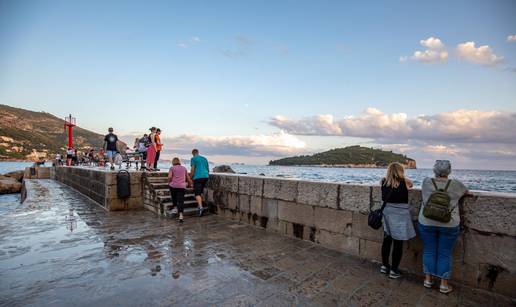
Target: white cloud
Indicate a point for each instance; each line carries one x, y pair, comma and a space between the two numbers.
432, 43
435, 52
480, 55
403, 59
243, 45
276, 144
430, 56
511, 38
190, 42
459, 126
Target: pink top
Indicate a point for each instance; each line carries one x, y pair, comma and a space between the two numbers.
178, 174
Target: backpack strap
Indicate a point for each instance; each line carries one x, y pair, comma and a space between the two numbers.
447, 185
435, 185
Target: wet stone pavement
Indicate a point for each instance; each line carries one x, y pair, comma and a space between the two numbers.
61, 249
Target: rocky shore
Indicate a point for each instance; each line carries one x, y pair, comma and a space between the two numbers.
11, 182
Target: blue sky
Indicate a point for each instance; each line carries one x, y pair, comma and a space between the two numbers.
217, 74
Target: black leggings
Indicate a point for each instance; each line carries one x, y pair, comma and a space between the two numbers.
178, 198
156, 159
397, 251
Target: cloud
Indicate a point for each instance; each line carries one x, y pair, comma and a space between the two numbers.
483, 55
190, 42
432, 43
403, 59
511, 38
276, 145
459, 126
435, 52
243, 45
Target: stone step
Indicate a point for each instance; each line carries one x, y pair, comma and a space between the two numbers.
159, 185
166, 192
156, 174
166, 198
187, 212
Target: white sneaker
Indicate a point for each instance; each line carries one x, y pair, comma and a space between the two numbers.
174, 210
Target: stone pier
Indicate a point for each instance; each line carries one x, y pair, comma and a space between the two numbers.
334, 216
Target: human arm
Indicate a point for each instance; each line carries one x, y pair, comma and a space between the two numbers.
409, 183
170, 175
192, 170
188, 179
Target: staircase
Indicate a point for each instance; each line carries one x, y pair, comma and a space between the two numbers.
156, 195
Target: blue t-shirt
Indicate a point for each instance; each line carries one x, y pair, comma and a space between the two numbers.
202, 168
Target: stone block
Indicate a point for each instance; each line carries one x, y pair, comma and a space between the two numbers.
273, 225
296, 213
228, 183
270, 208
360, 229
250, 186
355, 197
136, 190
414, 199
220, 199
209, 196
232, 201
339, 242
282, 189
490, 213
255, 205
494, 250
412, 259
322, 194
110, 177
116, 204
371, 250
339, 221
244, 203
498, 280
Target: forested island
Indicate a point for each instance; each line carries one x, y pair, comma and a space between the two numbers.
352, 156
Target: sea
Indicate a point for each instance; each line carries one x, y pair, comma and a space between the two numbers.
475, 180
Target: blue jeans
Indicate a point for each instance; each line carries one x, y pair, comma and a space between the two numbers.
438, 243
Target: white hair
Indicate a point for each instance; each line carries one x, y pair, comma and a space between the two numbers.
442, 168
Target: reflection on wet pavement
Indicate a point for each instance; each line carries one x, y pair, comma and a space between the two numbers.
60, 249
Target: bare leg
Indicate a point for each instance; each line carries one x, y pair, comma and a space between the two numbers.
198, 198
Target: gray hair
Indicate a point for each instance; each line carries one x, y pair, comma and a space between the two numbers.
442, 168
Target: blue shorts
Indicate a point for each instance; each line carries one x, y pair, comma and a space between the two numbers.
111, 153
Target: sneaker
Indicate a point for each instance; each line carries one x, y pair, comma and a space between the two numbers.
384, 269
394, 274
200, 211
445, 289
428, 284
174, 210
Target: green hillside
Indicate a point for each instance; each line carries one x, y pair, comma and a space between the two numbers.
349, 157
28, 135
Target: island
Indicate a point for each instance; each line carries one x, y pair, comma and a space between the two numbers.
351, 156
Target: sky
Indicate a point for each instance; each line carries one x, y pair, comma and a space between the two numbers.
251, 81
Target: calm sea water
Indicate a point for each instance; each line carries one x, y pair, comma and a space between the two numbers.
480, 180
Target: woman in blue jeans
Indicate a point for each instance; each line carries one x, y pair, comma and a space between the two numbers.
439, 238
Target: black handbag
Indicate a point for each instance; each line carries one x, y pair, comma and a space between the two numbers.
374, 220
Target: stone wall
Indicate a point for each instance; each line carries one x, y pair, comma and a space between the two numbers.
335, 216
101, 187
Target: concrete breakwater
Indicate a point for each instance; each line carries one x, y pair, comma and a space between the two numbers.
335, 216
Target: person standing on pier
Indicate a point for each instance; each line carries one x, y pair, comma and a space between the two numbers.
151, 152
200, 171
159, 146
440, 232
110, 141
397, 226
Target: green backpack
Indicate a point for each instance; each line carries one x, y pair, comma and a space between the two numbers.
437, 207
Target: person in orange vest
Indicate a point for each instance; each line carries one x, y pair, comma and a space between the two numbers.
159, 146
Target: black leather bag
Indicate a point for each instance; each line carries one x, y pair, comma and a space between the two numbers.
374, 220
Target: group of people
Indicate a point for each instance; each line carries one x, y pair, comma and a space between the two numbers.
438, 234
150, 146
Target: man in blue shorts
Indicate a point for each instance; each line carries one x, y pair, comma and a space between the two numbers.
200, 171
110, 146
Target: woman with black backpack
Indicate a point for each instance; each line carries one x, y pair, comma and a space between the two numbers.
397, 221
439, 221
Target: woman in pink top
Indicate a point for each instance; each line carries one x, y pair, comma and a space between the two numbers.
177, 180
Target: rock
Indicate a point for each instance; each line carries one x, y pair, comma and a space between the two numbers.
18, 175
223, 169
9, 185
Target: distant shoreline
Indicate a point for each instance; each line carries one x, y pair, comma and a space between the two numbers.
341, 166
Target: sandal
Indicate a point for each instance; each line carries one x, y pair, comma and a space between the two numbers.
445, 289
428, 284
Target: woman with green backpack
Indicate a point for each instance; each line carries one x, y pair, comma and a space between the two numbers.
438, 223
